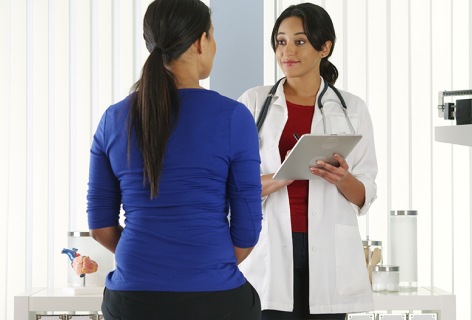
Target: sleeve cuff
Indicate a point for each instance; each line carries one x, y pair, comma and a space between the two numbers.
370, 196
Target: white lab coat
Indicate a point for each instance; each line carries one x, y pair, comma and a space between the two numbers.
338, 276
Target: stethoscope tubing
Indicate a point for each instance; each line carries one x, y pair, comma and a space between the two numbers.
267, 102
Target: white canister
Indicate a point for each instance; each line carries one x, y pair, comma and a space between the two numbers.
385, 278
403, 249
87, 246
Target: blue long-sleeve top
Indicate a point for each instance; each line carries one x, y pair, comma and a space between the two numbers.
183, 239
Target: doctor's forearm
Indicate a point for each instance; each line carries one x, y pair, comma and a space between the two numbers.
353, 190
270, 185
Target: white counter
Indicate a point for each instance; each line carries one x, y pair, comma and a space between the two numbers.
38, 300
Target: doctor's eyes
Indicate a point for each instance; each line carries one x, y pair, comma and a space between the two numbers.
281, 42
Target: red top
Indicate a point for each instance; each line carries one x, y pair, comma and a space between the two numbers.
299, 122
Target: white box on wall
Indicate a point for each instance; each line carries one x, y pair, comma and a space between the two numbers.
50, 317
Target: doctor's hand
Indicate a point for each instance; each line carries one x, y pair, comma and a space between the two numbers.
332, 174
347, 184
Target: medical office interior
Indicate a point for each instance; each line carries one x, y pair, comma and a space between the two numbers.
62, 63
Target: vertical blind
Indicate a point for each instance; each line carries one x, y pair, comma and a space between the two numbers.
62, 63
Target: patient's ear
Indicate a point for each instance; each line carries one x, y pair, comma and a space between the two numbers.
201, 44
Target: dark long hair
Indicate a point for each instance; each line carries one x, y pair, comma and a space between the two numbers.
318, 29
170, 27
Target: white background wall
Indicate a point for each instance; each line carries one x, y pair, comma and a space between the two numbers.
62, 63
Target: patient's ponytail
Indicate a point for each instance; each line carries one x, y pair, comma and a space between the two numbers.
170, 27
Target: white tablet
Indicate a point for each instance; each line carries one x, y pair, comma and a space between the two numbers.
312, 148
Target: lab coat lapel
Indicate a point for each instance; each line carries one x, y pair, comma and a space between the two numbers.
272, 130
279, 111
317, 123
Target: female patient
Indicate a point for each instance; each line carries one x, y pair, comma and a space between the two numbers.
176, 156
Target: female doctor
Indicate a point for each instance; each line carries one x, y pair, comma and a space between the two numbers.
309, 261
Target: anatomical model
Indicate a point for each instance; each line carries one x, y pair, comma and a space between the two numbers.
82, 265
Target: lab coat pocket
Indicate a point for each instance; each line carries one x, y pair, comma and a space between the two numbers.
351, 275
337, 123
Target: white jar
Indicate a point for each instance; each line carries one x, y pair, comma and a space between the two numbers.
385, 278
370, 247
403, 248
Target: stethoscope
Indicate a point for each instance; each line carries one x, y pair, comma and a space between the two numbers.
267, 102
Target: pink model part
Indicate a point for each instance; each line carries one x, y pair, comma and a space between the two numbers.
82, 265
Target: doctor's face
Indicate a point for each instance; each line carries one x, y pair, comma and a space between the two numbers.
294, 53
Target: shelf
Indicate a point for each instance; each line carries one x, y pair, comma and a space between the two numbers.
425, 298
455, 134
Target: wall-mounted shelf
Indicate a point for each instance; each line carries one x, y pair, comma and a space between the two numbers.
456, 134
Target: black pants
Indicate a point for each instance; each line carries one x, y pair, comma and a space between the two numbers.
235, 304
301, 286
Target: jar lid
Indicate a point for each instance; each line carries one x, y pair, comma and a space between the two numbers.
403, 213
385, 268
78, 234
371, 243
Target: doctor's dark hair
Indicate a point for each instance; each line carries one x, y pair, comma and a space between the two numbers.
170, 27
318, 29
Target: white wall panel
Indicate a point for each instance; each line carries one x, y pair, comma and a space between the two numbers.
137, 39
83, 111
51, 141
5, 38
72, 114
61, 139
356, 48
442, 164
462, 236
335, 10
269, 56
356, 67
461, 64
29, 142
126, 49
377, 104
422, 110
103, 76
399, 105
40, 143
16, 258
